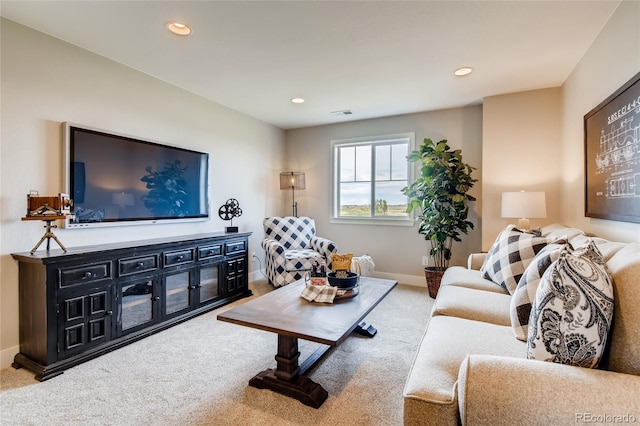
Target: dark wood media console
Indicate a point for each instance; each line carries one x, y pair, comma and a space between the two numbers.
78, 305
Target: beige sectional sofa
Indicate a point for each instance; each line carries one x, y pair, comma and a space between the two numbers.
471, 370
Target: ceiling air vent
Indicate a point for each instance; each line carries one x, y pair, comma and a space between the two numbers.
342, 112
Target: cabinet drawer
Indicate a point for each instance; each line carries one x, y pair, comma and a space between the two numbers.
178, 257
209, 251
135, 265
235, 247
84, 274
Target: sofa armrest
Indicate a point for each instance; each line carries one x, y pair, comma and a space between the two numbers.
505, 390
476, 260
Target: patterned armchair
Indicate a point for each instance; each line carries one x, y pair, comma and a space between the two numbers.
291, 246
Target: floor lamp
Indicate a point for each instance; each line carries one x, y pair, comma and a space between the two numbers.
292, 181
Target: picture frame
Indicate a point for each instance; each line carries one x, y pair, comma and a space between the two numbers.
612, 156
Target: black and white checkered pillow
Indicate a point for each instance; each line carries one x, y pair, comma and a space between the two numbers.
525, 293
510, 255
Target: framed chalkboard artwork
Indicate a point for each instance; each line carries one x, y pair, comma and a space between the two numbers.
612, 156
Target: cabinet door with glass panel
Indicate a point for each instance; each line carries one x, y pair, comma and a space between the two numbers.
209, 273
179, 292
137, 304
208, 287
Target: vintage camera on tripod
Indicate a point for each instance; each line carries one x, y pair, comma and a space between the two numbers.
38, 206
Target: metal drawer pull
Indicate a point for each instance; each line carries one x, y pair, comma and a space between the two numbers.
87, 275
139, 265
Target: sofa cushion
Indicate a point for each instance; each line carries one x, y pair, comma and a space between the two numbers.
573, 309
510, 255
556, 231
523, 297
430, 393
478, 305
624, 339
469, 278
607, 248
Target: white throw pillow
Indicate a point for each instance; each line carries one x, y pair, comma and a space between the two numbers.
573, 309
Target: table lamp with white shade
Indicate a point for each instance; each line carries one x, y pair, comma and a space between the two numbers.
524, 205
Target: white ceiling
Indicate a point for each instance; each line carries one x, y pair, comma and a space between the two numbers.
375, 58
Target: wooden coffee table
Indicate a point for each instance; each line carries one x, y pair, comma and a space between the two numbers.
284, 312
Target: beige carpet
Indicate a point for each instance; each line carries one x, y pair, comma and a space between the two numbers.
196, 373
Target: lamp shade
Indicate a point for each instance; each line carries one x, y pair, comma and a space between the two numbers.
524, 204
292, 180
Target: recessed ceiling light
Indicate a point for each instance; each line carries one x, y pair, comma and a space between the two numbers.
178, 28
297, 100
463, 71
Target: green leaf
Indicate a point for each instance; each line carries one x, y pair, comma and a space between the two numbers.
441, 194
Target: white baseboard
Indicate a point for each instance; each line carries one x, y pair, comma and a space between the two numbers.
402, 279
257, 275
6, 356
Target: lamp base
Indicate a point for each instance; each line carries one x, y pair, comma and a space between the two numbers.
524, 224
231, 229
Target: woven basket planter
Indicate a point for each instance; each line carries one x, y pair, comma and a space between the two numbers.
433, 276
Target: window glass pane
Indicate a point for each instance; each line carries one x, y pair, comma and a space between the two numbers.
389, 200
363, 163
383, 162
399, 164
347, 164
355, 199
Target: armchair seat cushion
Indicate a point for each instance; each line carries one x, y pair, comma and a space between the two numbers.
301, 259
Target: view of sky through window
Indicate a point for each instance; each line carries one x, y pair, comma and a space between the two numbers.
373, 171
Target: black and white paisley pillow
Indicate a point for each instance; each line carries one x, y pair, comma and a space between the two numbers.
573, 309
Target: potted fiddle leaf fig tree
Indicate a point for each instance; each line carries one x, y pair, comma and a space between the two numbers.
440, 193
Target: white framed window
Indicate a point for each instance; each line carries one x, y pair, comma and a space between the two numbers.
367, 177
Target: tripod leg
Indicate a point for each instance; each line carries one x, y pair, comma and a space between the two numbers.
58, 241
38, 245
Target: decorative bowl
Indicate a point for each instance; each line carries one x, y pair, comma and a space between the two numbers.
350, 281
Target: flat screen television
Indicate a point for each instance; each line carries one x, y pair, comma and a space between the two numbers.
114, 179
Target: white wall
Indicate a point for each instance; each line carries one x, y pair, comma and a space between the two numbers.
521, 150
612, 59
45, 82
396, 250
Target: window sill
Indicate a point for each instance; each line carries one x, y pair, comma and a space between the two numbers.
370, 221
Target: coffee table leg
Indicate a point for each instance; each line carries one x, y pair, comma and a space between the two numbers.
365, 329
286, 378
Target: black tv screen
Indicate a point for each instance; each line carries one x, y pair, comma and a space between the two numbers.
117, 179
